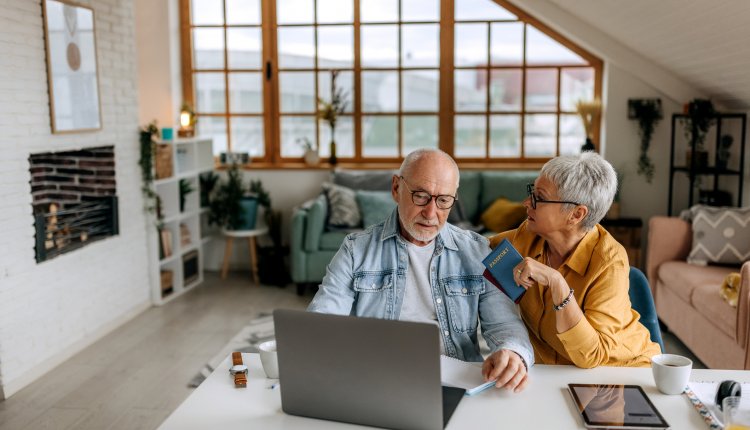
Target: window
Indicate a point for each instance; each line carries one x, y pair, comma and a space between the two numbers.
495, 86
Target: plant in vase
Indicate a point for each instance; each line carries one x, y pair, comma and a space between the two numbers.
329, 111
722, 159
589, 113
648, 113
146, 162
700, 116
207, 183
230, 206
272, 268
185, 188
310, 155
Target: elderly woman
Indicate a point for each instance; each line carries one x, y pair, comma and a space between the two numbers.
576, 306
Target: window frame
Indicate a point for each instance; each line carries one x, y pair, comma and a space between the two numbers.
446, 111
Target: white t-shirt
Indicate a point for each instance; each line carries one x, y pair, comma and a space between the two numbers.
418, 305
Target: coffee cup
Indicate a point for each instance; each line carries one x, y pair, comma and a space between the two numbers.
671, 372
269, 359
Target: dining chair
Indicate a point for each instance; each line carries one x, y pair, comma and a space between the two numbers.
642, 301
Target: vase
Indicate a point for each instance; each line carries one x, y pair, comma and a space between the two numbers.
588, 146
249, 207
311, 157
332, 160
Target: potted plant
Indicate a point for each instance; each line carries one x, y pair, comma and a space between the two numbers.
648, 113
207, 183
700, 116
231, 206
722, 156
310, 156
146, 162
185, 188
589, 113
329, 111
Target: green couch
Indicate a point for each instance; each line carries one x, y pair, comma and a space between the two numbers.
313, 247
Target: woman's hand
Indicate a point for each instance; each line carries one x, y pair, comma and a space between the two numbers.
530, 271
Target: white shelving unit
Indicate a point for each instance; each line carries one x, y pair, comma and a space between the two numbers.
183, 259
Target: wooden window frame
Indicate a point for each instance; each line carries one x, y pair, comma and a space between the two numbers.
446, 108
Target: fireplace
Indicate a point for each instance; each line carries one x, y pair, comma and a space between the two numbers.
74, 199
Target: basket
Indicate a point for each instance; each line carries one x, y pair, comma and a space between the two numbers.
166, 282
163, 161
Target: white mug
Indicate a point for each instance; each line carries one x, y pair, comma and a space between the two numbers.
269, 359
671, 372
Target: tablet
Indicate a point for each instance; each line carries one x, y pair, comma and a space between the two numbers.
616, 407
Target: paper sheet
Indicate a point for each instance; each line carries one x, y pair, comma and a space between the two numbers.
462, 374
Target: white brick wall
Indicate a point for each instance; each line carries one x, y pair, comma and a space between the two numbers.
51, 310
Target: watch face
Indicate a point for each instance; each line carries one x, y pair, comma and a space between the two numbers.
238, 368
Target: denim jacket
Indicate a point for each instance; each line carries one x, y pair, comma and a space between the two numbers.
367, 277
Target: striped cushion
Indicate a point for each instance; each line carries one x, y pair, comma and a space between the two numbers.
720, 235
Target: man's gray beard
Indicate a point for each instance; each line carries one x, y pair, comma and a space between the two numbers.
422, 237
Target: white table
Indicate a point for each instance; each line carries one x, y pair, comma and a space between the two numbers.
230, 235
544, 404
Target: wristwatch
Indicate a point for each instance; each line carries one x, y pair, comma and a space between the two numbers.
238, 370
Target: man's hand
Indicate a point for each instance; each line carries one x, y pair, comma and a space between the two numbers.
507, 368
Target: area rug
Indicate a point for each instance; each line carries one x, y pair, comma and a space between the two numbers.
247, 340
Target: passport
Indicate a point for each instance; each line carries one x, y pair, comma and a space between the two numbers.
499, 269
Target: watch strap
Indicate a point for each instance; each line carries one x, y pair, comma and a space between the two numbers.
236, 358
240, 379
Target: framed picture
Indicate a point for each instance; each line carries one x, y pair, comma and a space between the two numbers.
71, 66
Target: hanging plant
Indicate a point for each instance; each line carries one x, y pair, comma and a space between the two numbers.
700, 116
648, 113
146, 162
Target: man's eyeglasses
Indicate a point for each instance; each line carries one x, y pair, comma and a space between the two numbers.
535, 199
423, 198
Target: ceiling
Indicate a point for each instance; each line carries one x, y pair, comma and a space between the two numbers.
706, 43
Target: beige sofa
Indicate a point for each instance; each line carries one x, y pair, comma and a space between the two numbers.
688, 301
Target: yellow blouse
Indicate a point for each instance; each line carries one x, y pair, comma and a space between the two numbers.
609, 334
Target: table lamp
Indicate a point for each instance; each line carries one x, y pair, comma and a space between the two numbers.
187, 120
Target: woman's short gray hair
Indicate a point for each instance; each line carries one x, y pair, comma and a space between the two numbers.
586, 178
417, 154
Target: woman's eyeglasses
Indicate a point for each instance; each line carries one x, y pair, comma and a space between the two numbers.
535, 199
423, 198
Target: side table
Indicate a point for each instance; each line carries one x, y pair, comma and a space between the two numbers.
230, 235
627, 231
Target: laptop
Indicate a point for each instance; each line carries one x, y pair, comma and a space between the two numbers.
368, 371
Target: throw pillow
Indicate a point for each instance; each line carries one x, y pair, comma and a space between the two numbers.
720, 235
503, 215
343, 211
375, 206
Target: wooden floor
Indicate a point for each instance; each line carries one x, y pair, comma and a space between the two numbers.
137, 376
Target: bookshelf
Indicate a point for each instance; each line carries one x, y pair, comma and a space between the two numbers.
178, 240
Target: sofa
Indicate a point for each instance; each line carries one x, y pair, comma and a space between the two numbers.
688, 300
313, 245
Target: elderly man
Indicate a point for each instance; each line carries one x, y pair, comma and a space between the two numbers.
414, 267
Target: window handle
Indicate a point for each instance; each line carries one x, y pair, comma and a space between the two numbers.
268, 70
